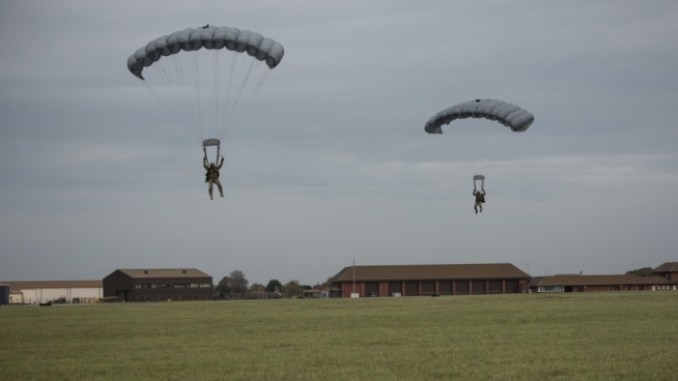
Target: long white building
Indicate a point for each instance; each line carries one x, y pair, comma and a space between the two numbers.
68, 291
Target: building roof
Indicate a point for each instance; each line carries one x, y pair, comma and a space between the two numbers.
45, 284
597, 280
668, 267
164, 273
429, 272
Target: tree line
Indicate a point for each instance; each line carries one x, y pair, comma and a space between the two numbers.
236, 286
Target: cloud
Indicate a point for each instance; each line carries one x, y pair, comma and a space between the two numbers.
331, 162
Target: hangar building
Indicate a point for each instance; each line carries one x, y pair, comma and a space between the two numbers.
137, 285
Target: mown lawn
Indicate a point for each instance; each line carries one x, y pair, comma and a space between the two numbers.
595, 336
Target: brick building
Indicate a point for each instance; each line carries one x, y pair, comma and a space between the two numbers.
136, 285
417, 280
587, 283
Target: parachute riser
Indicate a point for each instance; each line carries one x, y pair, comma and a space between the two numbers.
480, 178
212, 143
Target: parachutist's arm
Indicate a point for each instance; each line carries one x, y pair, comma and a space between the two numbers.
221, 162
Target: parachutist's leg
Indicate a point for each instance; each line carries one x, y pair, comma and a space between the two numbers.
475, 207
209, 189
221, 189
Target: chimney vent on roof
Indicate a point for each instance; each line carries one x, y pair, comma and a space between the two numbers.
145, 271
183, 271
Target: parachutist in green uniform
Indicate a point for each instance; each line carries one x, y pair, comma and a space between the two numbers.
480, 200
212, 175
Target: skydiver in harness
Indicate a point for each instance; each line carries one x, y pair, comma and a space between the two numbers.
212, 174
479, 195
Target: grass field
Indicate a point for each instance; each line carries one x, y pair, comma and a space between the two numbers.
591, 336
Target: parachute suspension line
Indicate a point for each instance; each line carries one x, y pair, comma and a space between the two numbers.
198, 98
164, 102
173, 90
260, 83
177, 90
176, 94
246, 99
183, 90
217, 93
230, 113
238, 94
221, 129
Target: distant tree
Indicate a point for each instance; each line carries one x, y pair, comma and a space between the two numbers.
291, 288
238, 283
223, 289
643, 271
257, 287
274, 285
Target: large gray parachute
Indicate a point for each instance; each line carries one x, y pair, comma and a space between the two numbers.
512, 116
254, 44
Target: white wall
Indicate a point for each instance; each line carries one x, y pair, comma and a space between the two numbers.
43, 295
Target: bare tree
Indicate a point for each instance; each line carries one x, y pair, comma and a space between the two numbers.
238, 283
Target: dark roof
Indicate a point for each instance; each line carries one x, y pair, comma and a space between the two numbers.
597, 280
44, 284
164, 273
430, 272
668, 267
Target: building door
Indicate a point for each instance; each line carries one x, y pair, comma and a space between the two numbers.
395, 288
372, 289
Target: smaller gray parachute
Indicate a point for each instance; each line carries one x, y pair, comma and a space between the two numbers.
242, 41
512, 116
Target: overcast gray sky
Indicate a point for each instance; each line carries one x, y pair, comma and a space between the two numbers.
330, 163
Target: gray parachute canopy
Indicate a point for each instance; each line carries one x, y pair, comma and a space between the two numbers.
254, 44
507, 114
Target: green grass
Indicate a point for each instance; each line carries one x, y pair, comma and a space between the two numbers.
591, 336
